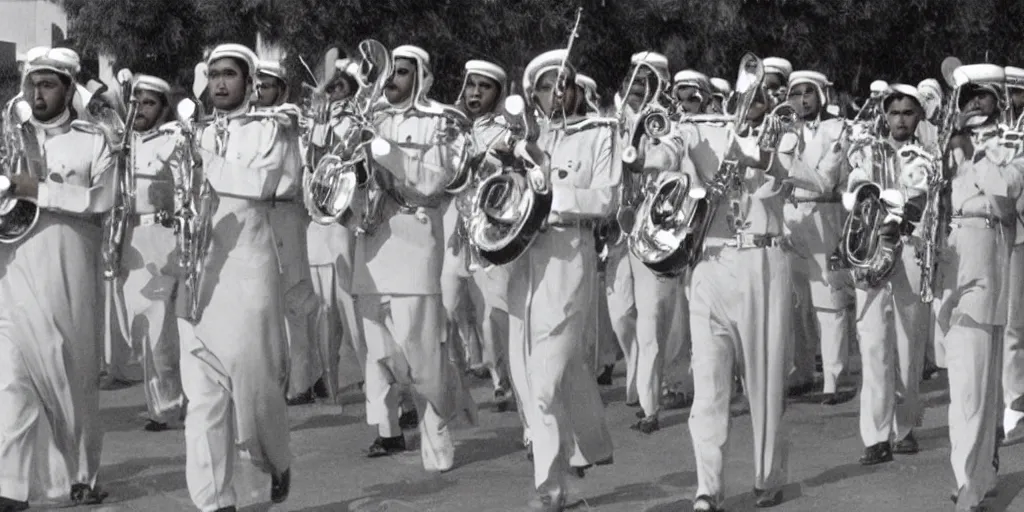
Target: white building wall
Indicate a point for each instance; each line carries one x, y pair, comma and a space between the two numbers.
27, 23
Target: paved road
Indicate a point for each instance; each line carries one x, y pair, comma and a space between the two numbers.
145, 471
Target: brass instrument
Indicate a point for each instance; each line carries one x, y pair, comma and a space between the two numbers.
329, 188
118, 133
195, 202
19, 154
868, 246
935, 219
676, 214
510, 207
780, 121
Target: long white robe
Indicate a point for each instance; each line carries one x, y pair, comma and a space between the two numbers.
50, 436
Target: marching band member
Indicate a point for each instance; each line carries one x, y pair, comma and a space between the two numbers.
891, 315
234, 357
985, 191
691, 90
398, 273
815, 218
928, 128
546, 321
48, 341
1013, 356
801, 379
776, 78
331, 253
290, 221
720, 94
473, 293
153, 274
740, 300
650, 301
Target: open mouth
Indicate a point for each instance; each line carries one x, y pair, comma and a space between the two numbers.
473, 104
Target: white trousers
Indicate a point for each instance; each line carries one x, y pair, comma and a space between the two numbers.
973, 354
1013, 355
340, 344
740, 309
892, 324
405, 341
211, 444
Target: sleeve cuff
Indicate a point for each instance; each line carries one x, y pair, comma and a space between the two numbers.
43, 196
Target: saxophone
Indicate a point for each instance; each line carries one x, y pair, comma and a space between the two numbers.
19, 154
935, 227
195, 201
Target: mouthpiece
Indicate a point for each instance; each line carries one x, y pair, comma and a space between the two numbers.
380, 147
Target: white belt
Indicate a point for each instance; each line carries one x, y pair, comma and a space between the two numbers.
149, 219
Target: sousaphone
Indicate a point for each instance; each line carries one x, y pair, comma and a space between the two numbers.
512, 206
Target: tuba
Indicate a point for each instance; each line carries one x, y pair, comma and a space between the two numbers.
329, 188
195, 202
674, 218
19, 154
654, 121
509, 208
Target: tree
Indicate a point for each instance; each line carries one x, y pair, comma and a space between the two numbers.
853, 41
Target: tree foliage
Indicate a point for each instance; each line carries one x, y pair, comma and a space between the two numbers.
852, 41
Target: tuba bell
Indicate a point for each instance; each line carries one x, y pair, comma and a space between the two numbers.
19, 154
674, 218
870, 242
329, 188
510, 207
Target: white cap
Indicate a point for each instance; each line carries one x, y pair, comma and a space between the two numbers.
271, 68
721, 85
408, 51
907, 90
691, 78
542, 64
487, 69
152, 84
979, 74
1014, 76
237, 51
777, 65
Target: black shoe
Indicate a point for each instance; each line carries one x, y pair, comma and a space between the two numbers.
647, 425
304, 398
227, 509
280, 486
9, 505
320, 389
502, 399
705, 503
877, 454
605, 379
930, 371
907, 445
409, 420
764, 498
675, 400
801, 389
386, 446
82, 494
154, 426
830, 399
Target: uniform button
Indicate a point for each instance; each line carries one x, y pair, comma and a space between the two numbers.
563, 174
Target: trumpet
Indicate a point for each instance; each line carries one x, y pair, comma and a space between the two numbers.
781, 120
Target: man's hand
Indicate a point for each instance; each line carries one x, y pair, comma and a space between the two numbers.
963, 117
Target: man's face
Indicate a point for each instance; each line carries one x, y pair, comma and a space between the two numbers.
775, 86
690, 99
268, 91
150, 112
400, 85
227, 84
981, 102
903, 115
638, 89
480, 95
49, 95
545, 95
805, 100
339, 90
